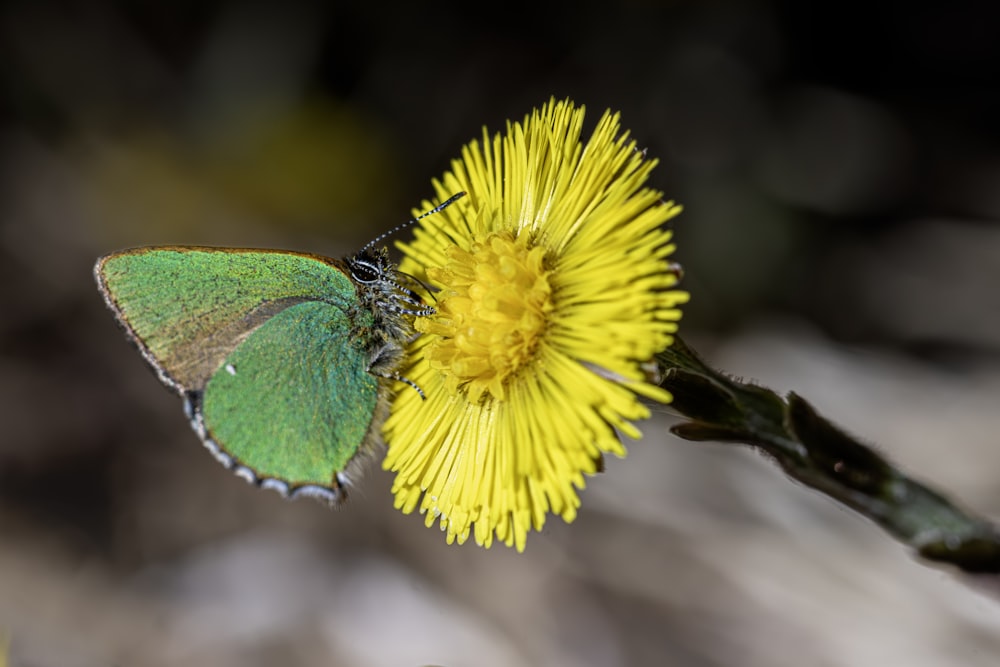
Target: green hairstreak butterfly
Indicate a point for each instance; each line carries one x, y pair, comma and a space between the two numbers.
284, 359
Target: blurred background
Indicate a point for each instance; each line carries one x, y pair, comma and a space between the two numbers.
840, 168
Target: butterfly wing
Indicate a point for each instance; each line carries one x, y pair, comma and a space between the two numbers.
265, 348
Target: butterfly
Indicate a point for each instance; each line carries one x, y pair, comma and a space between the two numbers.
284, 360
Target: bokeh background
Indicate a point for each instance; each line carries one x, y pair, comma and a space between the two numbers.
840, 167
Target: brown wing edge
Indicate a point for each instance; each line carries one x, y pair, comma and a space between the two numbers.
109, 300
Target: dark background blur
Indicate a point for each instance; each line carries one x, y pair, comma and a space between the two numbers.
840, 168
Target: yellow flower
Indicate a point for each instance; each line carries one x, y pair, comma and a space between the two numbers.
554, 296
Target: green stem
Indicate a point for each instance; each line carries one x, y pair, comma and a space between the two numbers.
817, 453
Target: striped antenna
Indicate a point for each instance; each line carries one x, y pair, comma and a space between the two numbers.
443, 205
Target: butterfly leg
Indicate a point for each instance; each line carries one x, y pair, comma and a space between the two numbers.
384, 362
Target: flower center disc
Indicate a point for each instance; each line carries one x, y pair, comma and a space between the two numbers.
492, 315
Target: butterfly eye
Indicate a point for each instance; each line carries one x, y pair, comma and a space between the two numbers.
365, 272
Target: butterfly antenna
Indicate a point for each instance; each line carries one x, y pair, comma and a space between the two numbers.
443, 205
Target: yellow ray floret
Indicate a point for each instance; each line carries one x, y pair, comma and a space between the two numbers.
555, 292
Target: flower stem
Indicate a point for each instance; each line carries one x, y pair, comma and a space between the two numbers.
815, 452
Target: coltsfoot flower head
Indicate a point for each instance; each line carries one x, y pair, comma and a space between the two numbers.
555, 293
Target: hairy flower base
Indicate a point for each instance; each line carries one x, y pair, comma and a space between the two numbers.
555, 292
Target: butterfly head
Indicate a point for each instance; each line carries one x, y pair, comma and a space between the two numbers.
382, 285
379, 277
387, 292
